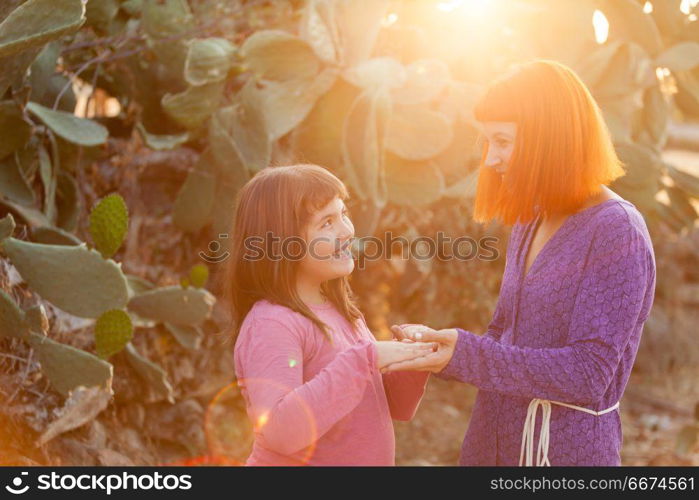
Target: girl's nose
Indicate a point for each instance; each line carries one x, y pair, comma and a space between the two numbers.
347, 229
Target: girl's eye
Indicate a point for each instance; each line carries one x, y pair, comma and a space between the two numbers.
326, 223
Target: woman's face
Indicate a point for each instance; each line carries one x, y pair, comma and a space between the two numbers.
501, 143
328, 238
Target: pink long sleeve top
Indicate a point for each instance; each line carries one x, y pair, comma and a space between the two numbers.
313, 403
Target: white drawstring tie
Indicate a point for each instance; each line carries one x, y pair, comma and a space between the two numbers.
530, 424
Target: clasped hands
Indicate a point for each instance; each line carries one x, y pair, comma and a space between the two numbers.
416, 347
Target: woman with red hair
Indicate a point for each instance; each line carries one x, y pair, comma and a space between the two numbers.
578, 284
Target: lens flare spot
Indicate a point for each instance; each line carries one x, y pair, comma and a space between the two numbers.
601, 26
262, 420
292, 362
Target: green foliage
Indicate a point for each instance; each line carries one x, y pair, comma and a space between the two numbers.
75, 279
70, 127
109, 221
67, 367
37, 22
151, 373
16, 131
113, 330
173, 304
12, 323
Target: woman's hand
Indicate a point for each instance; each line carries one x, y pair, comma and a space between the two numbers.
433, 362
391, 352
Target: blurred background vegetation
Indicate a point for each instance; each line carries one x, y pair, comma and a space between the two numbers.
129, 125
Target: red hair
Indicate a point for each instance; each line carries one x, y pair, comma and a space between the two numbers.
563, 151
279, 201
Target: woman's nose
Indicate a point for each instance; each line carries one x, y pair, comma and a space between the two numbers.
492, 160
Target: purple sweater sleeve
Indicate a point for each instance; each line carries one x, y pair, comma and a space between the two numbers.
288, 414
607, 308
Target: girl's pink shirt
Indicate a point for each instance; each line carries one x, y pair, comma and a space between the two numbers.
313, 403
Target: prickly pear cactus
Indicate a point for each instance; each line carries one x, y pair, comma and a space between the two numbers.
67, 367
12, 322
109, 221
198, 275
78, 280
173, 304
113, 330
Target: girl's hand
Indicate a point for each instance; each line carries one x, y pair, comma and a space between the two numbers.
433, 362
390, 351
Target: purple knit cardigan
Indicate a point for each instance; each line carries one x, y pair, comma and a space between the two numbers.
568, 331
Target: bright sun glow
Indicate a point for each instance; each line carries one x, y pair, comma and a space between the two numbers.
648, 7
687, 5
601, 25
390, 19
473, 6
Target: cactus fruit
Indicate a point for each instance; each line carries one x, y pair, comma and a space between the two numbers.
113, 330
109, 221
198, 275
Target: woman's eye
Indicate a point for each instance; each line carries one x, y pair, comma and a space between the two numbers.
326, 223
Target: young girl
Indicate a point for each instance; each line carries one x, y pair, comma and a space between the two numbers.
308, 367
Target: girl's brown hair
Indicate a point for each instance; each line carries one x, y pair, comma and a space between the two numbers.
279, 202
562, 152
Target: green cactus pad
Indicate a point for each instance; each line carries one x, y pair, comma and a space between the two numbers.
153, 374
67, 367
192, 209
53, 236
413, 183
174, 305
208, 60
193, 106
73, 278
113, 331
278, 55
70, 127
15, 131
109, 221
417, 133
13, 184
189, 337
12, 322
37, 22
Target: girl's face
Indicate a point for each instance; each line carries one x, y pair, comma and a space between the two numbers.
501, 143
328, 237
